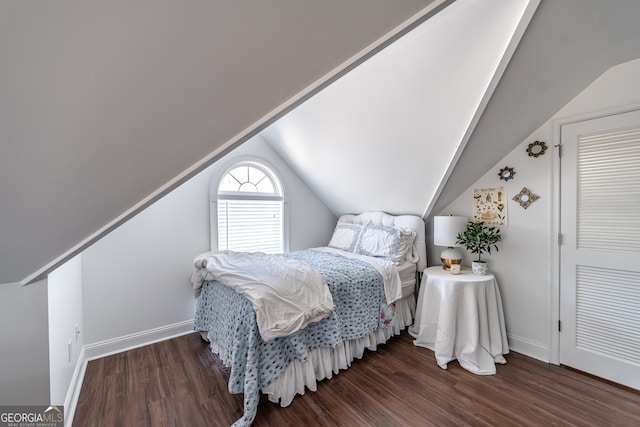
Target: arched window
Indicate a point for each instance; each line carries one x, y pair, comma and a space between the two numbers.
250, 210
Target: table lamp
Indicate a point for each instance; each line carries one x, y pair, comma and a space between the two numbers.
445, 233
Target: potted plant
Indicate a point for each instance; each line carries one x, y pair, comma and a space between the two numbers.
478, 239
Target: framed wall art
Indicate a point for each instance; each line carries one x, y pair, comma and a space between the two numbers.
490, 205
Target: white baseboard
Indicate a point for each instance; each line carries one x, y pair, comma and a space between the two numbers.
71, 400
528, 348
138, 339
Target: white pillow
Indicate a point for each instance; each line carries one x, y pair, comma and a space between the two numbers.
345, 236
381, 241
408, 247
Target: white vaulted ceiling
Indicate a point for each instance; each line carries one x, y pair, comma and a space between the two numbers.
384, 136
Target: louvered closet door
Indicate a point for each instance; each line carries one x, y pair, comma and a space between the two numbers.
600, 253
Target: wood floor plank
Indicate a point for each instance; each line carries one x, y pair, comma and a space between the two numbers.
179, 382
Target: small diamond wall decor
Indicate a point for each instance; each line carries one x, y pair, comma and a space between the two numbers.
506, 173
525, 197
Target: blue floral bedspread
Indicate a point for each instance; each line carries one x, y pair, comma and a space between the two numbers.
358, 295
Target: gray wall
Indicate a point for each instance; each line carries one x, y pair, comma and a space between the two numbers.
24, 348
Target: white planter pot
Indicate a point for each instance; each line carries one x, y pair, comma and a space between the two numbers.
479, 267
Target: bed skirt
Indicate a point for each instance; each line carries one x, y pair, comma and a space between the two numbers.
325, 362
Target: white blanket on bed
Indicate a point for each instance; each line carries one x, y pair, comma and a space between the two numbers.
286, 294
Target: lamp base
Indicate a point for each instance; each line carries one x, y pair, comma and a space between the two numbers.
450, 256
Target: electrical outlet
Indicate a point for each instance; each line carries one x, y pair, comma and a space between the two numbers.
70, 348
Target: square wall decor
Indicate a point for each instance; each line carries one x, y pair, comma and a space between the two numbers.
490, 205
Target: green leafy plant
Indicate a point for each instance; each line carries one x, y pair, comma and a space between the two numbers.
479, 238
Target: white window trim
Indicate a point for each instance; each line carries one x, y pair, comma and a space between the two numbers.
213, 198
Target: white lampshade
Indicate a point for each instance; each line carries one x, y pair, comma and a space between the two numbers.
445, 233
446, 229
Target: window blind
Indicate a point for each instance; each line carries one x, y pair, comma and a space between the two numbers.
250, 225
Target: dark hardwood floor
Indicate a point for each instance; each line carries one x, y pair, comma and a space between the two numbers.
180, 383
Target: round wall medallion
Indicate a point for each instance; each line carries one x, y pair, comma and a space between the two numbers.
536, 148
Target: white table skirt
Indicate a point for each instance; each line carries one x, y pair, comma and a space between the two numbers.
460, 317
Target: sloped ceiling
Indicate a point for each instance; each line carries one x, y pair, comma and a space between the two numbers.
567, 46
106, 105
102, 103
383, 136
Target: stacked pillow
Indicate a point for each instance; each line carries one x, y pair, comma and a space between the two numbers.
345, 236
380, 241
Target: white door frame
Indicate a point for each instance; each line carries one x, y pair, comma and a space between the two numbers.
554, 294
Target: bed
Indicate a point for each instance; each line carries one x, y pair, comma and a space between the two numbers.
363, 283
